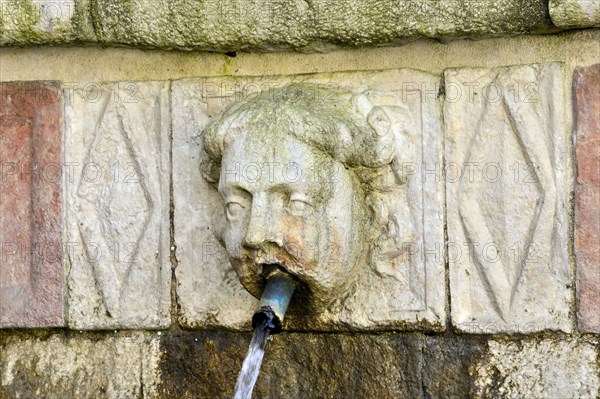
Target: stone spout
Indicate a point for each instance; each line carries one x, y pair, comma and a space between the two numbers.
275, 300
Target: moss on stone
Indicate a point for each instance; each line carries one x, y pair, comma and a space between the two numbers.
81, 22
19, 19
23, 22
570, 13
267, 25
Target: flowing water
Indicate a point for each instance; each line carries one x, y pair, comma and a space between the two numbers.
252, 362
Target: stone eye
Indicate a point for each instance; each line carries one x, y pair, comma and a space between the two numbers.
234, 210
298, 204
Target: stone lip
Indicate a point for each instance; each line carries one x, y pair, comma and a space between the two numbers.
265, 25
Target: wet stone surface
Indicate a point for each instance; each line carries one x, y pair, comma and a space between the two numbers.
446, 365
68, 364
320, 365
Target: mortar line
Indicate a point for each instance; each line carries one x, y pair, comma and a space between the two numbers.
172, 246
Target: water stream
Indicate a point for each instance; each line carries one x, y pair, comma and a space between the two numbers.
251, 366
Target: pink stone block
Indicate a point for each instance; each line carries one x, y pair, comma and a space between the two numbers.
586, 90
31, 271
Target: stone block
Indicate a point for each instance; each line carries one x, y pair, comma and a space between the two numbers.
117, 205
261, 25
206, 364
75, 365
507, 186
586, 88
400, 284
275, 25
31, 22
537, 368
446, 364
575, 13
31, 270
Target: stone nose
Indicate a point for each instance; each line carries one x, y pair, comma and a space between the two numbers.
264, 224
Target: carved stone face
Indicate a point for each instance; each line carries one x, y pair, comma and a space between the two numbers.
290, 203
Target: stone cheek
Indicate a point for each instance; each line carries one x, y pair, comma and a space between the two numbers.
117, 211
31, 271
586, 87
507, 184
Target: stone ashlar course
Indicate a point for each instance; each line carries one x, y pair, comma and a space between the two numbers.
264, 25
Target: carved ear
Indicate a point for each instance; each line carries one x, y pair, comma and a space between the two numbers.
210, 170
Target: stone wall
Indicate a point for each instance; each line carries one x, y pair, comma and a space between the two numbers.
112, 283
277, 25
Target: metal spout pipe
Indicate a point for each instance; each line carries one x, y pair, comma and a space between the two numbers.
274, 301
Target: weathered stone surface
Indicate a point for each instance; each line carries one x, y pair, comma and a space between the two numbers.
586, 87
225, 25
262, 25
401, 281
507, 184
383, 366
27, 22
295, 366
446, 364
75, 365
575, 13
544, 368
31, 271
117, 214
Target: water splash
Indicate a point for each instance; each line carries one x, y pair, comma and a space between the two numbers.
251, 366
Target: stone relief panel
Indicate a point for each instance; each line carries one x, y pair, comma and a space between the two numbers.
117, 213
397, 185
507, 185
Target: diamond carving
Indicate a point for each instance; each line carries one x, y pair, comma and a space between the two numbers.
506, 207
118, 207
